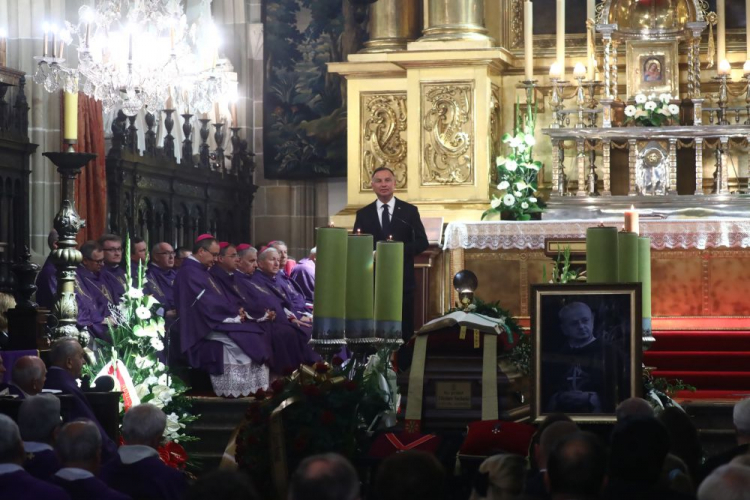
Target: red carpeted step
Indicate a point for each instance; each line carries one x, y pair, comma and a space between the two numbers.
685, 396
730, 380
711, 361
701, 341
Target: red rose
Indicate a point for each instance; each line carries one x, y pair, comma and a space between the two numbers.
350, 385
310, 390
327, 417
277, 385
321, 367
337, 361
260, 394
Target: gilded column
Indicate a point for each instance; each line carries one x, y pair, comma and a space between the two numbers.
581, 163
454, 21
393, 24
672, 185
556, 191
632, 158
698, 166
724, 172
606, 176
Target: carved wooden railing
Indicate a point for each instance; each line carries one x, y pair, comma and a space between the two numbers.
15, 150
153, 196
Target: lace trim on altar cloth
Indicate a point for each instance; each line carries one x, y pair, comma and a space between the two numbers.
240, 380
530, 235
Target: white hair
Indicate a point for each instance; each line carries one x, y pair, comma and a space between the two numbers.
38, 417
728, 482
10, 440
143, 423
74, 445
741, 416
262, 256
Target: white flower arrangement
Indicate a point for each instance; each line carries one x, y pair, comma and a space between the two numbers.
652, 111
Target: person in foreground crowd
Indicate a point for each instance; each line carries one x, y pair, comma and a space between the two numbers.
46, 280
27, 377
15, 482
248, 260
66, 357
93, 291
727, 482
303, 275
535, 483
160, 274
181, 254
39, 423
577, 468
269, 278
113, 272
215, 333
223, 484
285, 263
741, 420
138, 471
324, 477
410, 475
500, 477
79, 448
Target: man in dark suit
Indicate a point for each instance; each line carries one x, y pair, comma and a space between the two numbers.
389, 216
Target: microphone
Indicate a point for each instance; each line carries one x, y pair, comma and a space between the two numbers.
105, 383
402, 221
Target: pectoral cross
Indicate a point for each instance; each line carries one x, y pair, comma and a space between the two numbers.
575, 374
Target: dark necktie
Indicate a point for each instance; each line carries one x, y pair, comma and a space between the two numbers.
385, 221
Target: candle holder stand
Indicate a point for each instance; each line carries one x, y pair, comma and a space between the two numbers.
723, 98
556, 101
581, 102
327, 348
362, 347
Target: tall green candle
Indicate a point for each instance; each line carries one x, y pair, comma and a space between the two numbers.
644, 273
601, 255
330, 283
389, 289
627, 257
359, 287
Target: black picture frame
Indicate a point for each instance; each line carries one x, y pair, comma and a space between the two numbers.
589, 380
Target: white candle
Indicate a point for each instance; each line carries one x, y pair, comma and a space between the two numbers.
724, 67
528, 39
746, 68
591, 9
589, 54
747, 24
561, 36
554, 71
721, 30
579, 71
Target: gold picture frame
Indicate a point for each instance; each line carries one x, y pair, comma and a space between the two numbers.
652, 68
585, 378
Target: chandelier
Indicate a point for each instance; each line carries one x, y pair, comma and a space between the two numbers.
134, 54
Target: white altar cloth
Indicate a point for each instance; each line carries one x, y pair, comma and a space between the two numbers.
530, 235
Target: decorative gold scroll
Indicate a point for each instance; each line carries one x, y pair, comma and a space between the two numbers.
383, 135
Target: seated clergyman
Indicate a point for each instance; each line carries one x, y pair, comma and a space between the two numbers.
160, 275
39, 422
28, 376
94, 294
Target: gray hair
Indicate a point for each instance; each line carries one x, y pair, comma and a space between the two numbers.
78, 441
277, 243
62, 349
157, 247
88, 249
741, 416
38, 417
143, 423
247, 251
266, 253
728, 482
633, 407
26, 370
52, 238
10, 440
314, 251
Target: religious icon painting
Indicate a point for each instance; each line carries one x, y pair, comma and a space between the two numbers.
652, 68
586, 349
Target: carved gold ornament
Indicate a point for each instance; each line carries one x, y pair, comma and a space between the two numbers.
383, 135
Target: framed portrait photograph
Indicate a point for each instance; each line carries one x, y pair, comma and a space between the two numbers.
652, 68
586, 349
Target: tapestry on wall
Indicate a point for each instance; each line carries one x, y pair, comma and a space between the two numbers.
304, 106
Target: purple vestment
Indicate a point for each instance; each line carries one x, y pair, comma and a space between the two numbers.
303, 275
62, 380
94, 297
116, 280
147, 478
46, 285
42, 464
160, 284
202, 306
21, 485
89, 488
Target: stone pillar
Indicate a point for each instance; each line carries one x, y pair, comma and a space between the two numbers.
392, 24
460, 21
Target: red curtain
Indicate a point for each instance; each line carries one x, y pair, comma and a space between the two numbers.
91, 184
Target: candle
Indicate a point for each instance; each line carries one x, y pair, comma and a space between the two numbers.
644, 276
627, 257
601, 255
579, 71
216, 112
528, 39
747, 33
560, 40
330, 283
53, 29
171, 38
724, 67
746, 67
589, 52
721, 30
389, 289
555, 71
170, 102
233, 112
3, 48
70, 106
130, 47
631, 220
45, 28
591, 9
359, 287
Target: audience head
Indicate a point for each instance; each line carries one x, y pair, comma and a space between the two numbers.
29, 374
93, 256
11, 446
248, 260
577, 465
577, 323
112, 247
741, 419
6, 302
228, 258
181, 254
500, 477
52, 238
206, 251
67, 353
534, 444
268, 261
283, 251
313, 254
324, 477
383, 183
144, 424
638, 448
633, 407
39, 418
743, 460
411, 475
728, 482
138, 251
163, 255
79, 445
223, 484
683, 437
549, 438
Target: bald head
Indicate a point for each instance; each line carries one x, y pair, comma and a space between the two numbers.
29, 374
633, 407
549, 438
162, 255
52, 238
79, 445
67, 353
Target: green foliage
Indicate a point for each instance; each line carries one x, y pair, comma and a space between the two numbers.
561, 271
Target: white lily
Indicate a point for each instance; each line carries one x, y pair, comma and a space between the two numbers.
503, 185
630, 111
509, 199
641, 99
